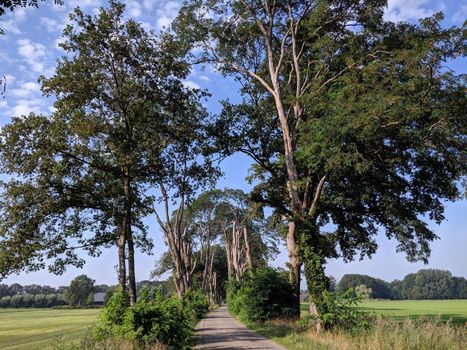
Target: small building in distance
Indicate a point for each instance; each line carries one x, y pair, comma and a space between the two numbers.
99, 299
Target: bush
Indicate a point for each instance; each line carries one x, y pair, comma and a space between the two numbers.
340, 312
152, 320
197, 303
264, 295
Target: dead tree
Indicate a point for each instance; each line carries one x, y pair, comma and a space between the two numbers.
179, 242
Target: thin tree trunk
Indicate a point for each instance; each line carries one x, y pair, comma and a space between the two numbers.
121, 260
228, 253
129, 239
131, 272
294, 263
247, 249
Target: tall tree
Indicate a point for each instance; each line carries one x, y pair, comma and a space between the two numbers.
82, 173
369, 128
79, 291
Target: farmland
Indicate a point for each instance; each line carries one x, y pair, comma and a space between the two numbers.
384, 334
454, 310
30, 329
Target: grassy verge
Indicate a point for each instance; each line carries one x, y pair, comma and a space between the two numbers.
406, 324
30, 329
384, 334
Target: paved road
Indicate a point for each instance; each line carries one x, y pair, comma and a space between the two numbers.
219, 330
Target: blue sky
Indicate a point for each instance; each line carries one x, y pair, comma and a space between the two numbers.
30, 48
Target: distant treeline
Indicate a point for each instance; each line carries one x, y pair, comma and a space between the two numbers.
34, 295
424, 284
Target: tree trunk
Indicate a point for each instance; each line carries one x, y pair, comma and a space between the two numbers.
129, 239
121, 260
131, 271
228, 253
317, 283
247, 249
295, 266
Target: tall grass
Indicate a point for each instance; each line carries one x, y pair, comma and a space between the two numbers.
384, 334
387, 334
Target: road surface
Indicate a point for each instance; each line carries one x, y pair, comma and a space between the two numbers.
219, 330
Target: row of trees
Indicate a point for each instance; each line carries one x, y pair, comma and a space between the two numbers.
32, 300
225, 234
424, 284
351, 121
33, 289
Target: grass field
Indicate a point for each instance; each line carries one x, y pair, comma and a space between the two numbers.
454, 310
384, 335
34, 329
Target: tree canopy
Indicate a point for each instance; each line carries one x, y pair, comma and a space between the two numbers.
80, 292
123, 123
367, 126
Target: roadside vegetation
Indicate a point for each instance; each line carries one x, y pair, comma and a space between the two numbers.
398, 325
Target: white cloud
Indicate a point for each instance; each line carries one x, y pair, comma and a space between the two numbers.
205, 78
163, 22
10, 27
26, 90
191, 84
26, 106
20, 14
133, 8
403, 10
460, 15
10, 78
148, 4
32, 53
166, 14
51, 25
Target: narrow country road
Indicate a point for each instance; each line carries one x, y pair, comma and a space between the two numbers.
219, 330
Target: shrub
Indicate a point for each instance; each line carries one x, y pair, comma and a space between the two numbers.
340, 312
263, 295
196, 302
150, 321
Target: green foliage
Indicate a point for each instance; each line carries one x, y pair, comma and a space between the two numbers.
379, 289
338, 311
194, 301
265, 294
79, 291
69, 170
153, 319
361, 128
362, 291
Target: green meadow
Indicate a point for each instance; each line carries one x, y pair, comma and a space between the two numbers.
31, 329
454, 310
401, 331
